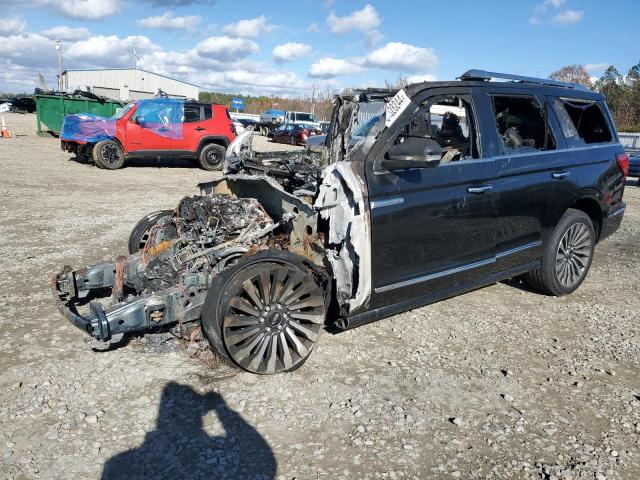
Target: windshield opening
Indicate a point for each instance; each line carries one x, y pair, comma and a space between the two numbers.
304, 117
121, 112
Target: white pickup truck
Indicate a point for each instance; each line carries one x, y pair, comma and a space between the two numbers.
301, 118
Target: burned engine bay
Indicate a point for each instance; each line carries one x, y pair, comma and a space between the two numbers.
294, 201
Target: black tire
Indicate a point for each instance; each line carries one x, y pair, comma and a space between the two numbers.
140, 233
108, 154
292, 141
212, 156
566, 257
266, 312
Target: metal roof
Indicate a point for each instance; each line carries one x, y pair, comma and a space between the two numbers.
130, 69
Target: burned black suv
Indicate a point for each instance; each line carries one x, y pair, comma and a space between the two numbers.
458, 185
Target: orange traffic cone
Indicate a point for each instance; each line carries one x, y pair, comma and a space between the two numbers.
5, 132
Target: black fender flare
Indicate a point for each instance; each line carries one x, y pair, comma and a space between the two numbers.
218, 139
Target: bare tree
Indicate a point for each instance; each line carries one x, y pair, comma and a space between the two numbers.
572, 74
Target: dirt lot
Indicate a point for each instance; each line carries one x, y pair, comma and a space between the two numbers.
498, 383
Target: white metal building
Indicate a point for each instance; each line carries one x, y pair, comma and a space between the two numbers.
127, 83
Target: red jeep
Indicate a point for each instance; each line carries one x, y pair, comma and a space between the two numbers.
156, 128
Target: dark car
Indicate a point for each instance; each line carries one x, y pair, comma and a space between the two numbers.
359, 133
295, 134
634, 166
20, 104
459, 185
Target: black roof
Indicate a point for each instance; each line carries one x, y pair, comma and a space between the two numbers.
482, 78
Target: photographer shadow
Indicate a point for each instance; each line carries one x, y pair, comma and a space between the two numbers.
179, 447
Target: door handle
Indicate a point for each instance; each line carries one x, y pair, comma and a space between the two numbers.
480, 189
560, 175
199, 129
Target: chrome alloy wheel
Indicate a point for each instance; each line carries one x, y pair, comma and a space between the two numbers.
573, 255
273, 319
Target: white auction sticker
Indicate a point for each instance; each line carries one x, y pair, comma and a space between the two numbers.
396, 106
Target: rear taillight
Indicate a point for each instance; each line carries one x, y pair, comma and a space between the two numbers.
622, 159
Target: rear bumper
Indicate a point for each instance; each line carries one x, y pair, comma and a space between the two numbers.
612, 221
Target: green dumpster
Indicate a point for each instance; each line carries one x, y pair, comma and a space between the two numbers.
51, 110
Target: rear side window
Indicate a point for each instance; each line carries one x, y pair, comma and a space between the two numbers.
206, 109
191, 112
581, 122
522, 124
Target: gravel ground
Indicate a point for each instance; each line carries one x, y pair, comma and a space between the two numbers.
498, 383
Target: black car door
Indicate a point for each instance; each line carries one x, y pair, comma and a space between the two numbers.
432, 229
529, 161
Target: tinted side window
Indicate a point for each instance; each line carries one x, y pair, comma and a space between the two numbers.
522, 125
207, 112
581, 122
191, 112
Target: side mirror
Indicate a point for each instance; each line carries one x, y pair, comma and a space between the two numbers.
140, 121
413, 152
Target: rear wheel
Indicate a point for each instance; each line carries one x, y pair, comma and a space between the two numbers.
140, 234
567, 255
108, 154
265, 313
212, 156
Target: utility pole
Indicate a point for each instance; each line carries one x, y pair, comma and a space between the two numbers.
60, 81
313, 100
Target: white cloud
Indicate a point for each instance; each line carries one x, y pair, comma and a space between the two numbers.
596, 67
110, 51
27, 49
66, 33
169, 21
12, 25
421, 77
568, 17
544, 13
85, 9
363, 20
313, 28
329, 67
253, 27
401, 56
373, 38
291, 51
78, 9
226, 49
540, 10
216, 63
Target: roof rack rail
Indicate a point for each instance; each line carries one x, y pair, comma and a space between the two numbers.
485, 76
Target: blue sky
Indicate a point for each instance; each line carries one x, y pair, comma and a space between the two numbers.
286, 47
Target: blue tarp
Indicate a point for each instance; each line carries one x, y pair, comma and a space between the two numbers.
162, 116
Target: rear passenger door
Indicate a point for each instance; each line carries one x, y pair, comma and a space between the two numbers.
524, 140
193, 128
